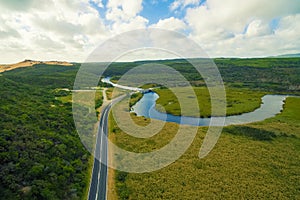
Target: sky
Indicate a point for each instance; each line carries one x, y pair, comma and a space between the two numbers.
70, 30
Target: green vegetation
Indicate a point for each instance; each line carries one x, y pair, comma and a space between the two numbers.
65, 99
63, 95
122, 189
255, 161
109, 93
285, 124
112, 93
98, 99
41, 154
150, 85
135, 98
268, 74
239, 100
271, 74
254, 133
259, 62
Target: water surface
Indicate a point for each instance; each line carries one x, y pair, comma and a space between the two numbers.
271, 105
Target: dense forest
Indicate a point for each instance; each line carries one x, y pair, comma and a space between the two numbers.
269, 74
41, 154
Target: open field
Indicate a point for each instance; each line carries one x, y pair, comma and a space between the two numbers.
242, 164
253, 161
239, 100
114, 92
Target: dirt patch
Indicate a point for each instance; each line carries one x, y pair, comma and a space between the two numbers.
111, 190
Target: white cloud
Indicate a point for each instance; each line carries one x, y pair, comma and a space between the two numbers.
71, 29
64, 29
285, 39
171, 23
123, 10
137, 22
124, 15
243, 28
288, 33
132, 8
182, 4
235, 15
258, 28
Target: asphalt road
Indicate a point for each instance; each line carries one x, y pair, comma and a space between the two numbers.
99, 173
98, 187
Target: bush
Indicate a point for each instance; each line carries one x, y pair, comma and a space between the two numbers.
254, 133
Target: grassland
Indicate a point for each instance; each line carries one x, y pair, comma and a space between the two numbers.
135, 98
114, 92
243, 164
253, 161
65, 99
239, 100
109, 93
82, 98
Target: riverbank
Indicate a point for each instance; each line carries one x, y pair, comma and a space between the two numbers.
271, 105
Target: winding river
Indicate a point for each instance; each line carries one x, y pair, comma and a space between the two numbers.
271, 105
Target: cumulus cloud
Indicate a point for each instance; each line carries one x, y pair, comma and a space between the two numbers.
123, 10
180, 4
137, 22
124, 15
69, 29
242, 28
258, 28
235, 15
171, 23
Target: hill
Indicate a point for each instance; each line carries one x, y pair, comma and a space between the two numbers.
297, 55
30, 63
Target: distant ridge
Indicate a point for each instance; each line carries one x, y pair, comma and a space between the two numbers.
30, 63
297, 55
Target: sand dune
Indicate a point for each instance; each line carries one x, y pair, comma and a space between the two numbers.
30, 63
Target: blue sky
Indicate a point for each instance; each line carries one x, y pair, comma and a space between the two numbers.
72, 29
156, 10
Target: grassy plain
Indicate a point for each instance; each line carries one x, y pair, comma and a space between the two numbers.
112, 93
65, 99
239, 100
243, 164
252, 161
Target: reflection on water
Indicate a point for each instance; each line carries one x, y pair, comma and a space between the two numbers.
271, 105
